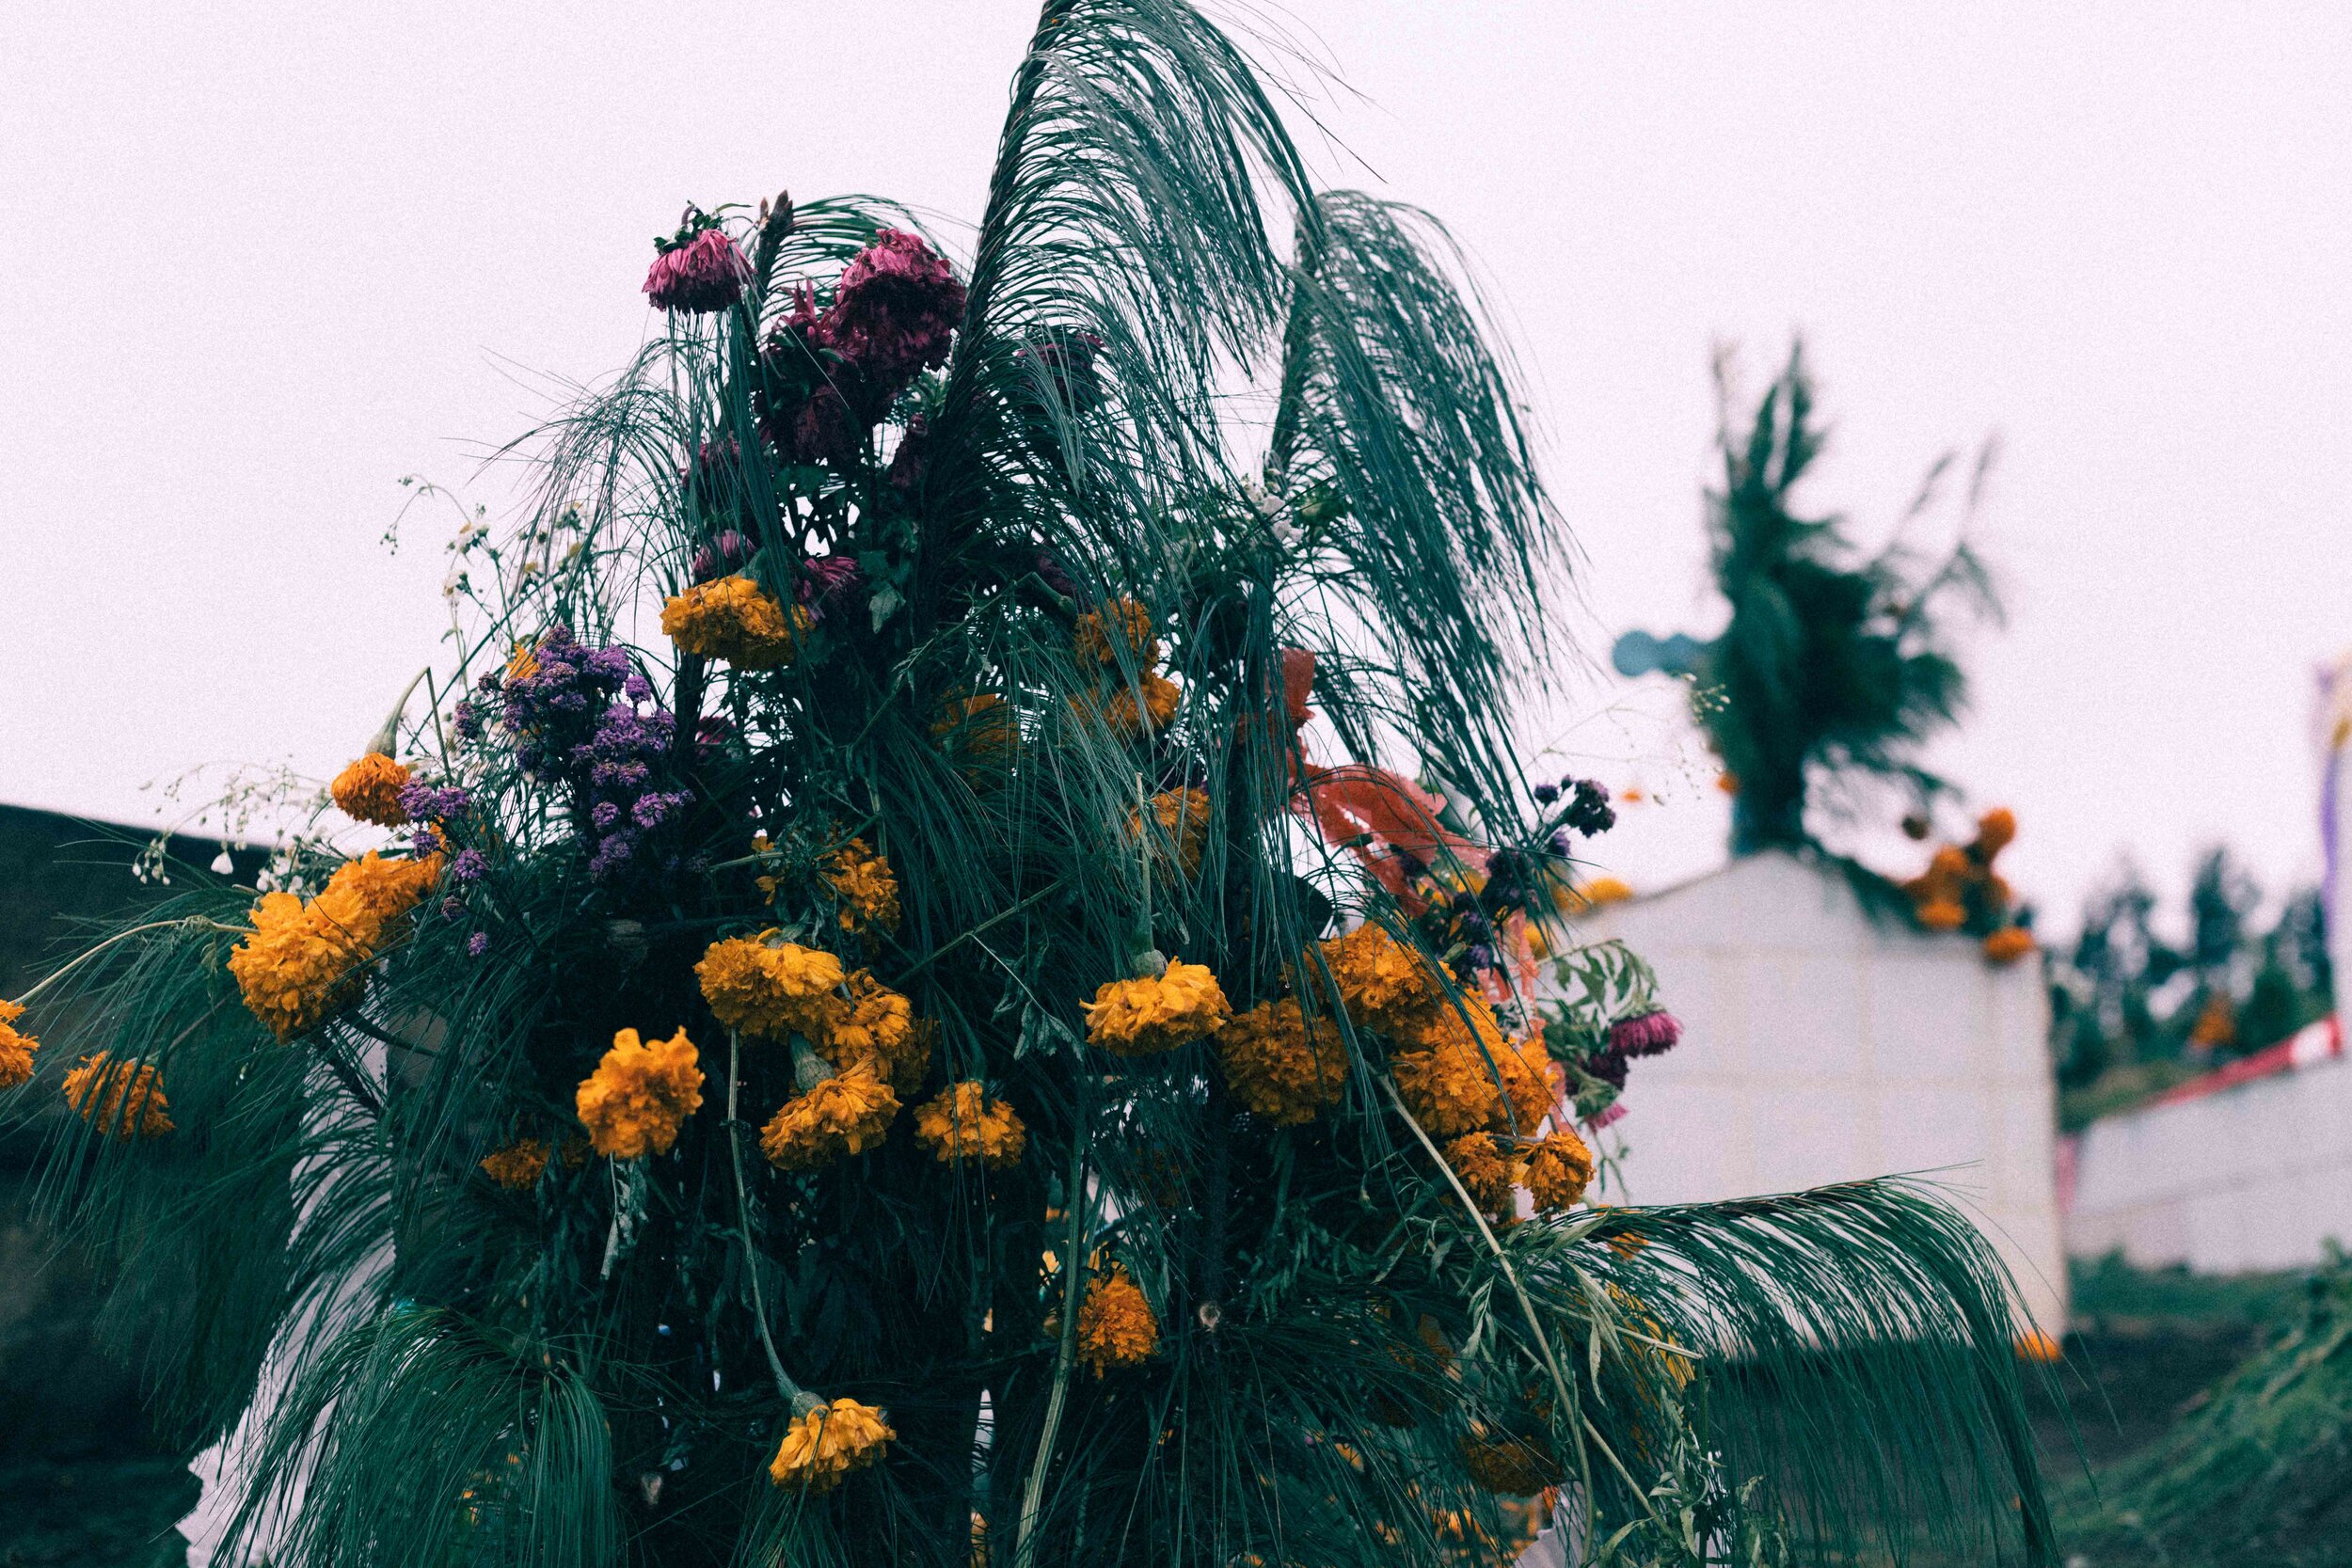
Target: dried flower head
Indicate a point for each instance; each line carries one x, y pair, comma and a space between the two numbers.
368, 790
640, 1095
1559, 1170
1115, 1327
979, 729
735, 620
965, 1123
1138, 1018
825, 1445
1650, 1033
123, 1100
16, 1046
518, 1166
1281, 1065
770, 991
845, 1113
894, 310
865, 886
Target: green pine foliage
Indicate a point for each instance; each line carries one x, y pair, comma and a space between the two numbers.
1836, 666
1273, 451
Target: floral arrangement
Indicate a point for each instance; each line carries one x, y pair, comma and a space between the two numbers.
887, 1029
1960, 891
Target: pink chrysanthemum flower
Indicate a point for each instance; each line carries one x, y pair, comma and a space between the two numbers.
707, 273
895, 309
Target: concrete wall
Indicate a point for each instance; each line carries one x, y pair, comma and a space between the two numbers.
1820, 1046
2252, 1177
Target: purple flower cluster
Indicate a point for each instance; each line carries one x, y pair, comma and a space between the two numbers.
546, 704
423, 802
701, 274
1587, 812
620, 763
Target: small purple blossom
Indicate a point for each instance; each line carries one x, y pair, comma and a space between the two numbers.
637, 689
604, 814
613, 853
466, 720
478, 944
653, 810
468, 866
1546, 794
452, 907
725, 554
424, 803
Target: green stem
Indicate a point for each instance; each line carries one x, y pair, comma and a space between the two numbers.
1073, 1277
192, 921
794, 1397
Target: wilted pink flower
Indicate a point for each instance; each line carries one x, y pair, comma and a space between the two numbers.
707, 273
1613, 1112
894, 311
1645, 1034
722, 555
826, 576
825, 430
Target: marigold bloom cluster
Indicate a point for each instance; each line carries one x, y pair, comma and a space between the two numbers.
965, 1123
1383, 983
1140, 1017
865, 886
1559, 1170
845, 1113
518, 1166
1140, 711
1510, 1465
2007, 944
123, 1100
368, 790
1477, 1160
735, 620
979, 727
304, 962
1115, 1327
16, 1046
1184, 816
640, 1095
1124, 625
824, 1446
1281, 1065
772, 990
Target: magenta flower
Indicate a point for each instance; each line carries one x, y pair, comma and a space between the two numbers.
894, 311
707, 273
1645, 1034
827, 578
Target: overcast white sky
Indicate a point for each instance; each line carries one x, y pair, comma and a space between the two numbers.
265, 260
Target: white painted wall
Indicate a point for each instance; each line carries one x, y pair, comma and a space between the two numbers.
2254, 1177
1820, 1046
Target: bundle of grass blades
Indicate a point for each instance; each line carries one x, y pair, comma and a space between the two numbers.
2255, 1473
876, 1015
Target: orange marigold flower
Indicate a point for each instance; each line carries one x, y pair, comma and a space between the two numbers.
965, 1123
1116, 1328
1383, 983
1138, 1018
2007, 944
826, 1444
1514, 1467
16, 1046
1559, 1170
304, 962
845, 1113
518, 1166
876, 1029
640, 1095
1158, 701
1995, 829
770, 991
368, 790
1279, 1065
1183, 816
123, 1100
1530, 1081
982, 728
1451, 1081
735, 620
1484, 1174
867, 887
1121, 623
1941, 914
